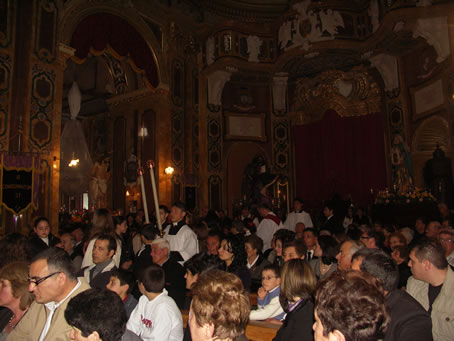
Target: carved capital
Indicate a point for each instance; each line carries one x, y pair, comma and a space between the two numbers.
216, 82
387, 66
435, 32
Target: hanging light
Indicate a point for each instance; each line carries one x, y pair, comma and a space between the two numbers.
74, 162
169, 170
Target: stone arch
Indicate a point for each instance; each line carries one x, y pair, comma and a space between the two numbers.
76, 11
430, 132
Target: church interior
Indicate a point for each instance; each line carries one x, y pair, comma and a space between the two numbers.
227, 101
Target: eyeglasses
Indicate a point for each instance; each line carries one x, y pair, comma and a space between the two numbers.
37, 281
446, 240
268, 278
364, 237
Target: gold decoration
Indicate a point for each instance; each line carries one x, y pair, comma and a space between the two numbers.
315, 96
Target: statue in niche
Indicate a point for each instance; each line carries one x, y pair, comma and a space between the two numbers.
257, 183
438, 176
97, 188
402, 164
253, 48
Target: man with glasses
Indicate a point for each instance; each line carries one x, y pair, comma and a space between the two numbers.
53, 282
446, 238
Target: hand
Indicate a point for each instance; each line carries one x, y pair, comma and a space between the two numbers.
126, 265
261, 293
273, 321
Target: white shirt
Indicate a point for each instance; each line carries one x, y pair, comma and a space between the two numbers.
251, 265
294, 218
450, 259
45, 240
270, 310
266, 230
52, 306
185, 242
156, 320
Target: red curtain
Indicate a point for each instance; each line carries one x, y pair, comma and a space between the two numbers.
100, 30
340, 155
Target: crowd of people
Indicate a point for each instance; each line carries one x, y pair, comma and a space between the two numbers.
340, 278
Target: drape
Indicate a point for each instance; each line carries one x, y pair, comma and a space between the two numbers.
100, 31
337, 155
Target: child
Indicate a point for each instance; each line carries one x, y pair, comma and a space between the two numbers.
156, 316
268, 296
121, 282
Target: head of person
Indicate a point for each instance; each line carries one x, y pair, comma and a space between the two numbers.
263, 209
298, 204
68, 242
425, 258
163, 213
310, 238
328, 210
420, 225
446, 239
373, 239
51, 275
101, 223
350, 306
232, 252
197, 264
245, 212
15, 247
120, 224
14, 286
78, 233
299, 230
432, 229
41, 227
282, 237
380, 265
213, 242
96, 314
220, 307
408, 233
152, 279
400, 254
346, 251
271, 277
396, 239
297, 282
177, 212
237, 227
148, 233
443, 209
294, 249
104, 248
326, 248
253, 245
140, 217
121, 282
160, 251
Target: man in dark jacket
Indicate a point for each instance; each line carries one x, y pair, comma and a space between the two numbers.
409, 320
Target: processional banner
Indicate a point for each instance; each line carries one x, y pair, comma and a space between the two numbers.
19, 181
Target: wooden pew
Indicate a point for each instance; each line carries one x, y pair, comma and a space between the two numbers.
255, 330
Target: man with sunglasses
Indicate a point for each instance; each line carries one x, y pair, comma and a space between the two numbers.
53, 282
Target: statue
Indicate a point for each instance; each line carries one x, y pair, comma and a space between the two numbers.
402, 164
97, 190
438, 176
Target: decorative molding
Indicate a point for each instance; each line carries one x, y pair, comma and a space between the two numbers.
216, 82
387, 66
280, 93
46, 22
7, 12
314, 96
435, 32
177, 154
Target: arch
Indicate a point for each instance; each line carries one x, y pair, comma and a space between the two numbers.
430, 132
76, 11
238, 156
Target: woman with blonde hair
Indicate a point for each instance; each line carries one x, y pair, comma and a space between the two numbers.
14, 295
101, 223
297, 287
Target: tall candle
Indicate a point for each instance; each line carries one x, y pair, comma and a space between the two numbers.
155, 196
144, 196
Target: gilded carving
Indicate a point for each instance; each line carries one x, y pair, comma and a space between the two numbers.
315, 96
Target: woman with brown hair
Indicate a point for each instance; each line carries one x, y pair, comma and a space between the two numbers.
297, 287
14, 295
220, 307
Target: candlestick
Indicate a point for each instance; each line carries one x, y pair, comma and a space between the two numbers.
155, 196
144, 195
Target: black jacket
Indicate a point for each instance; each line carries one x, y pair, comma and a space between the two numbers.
409, 320
298, 324
37, 245
175, 282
